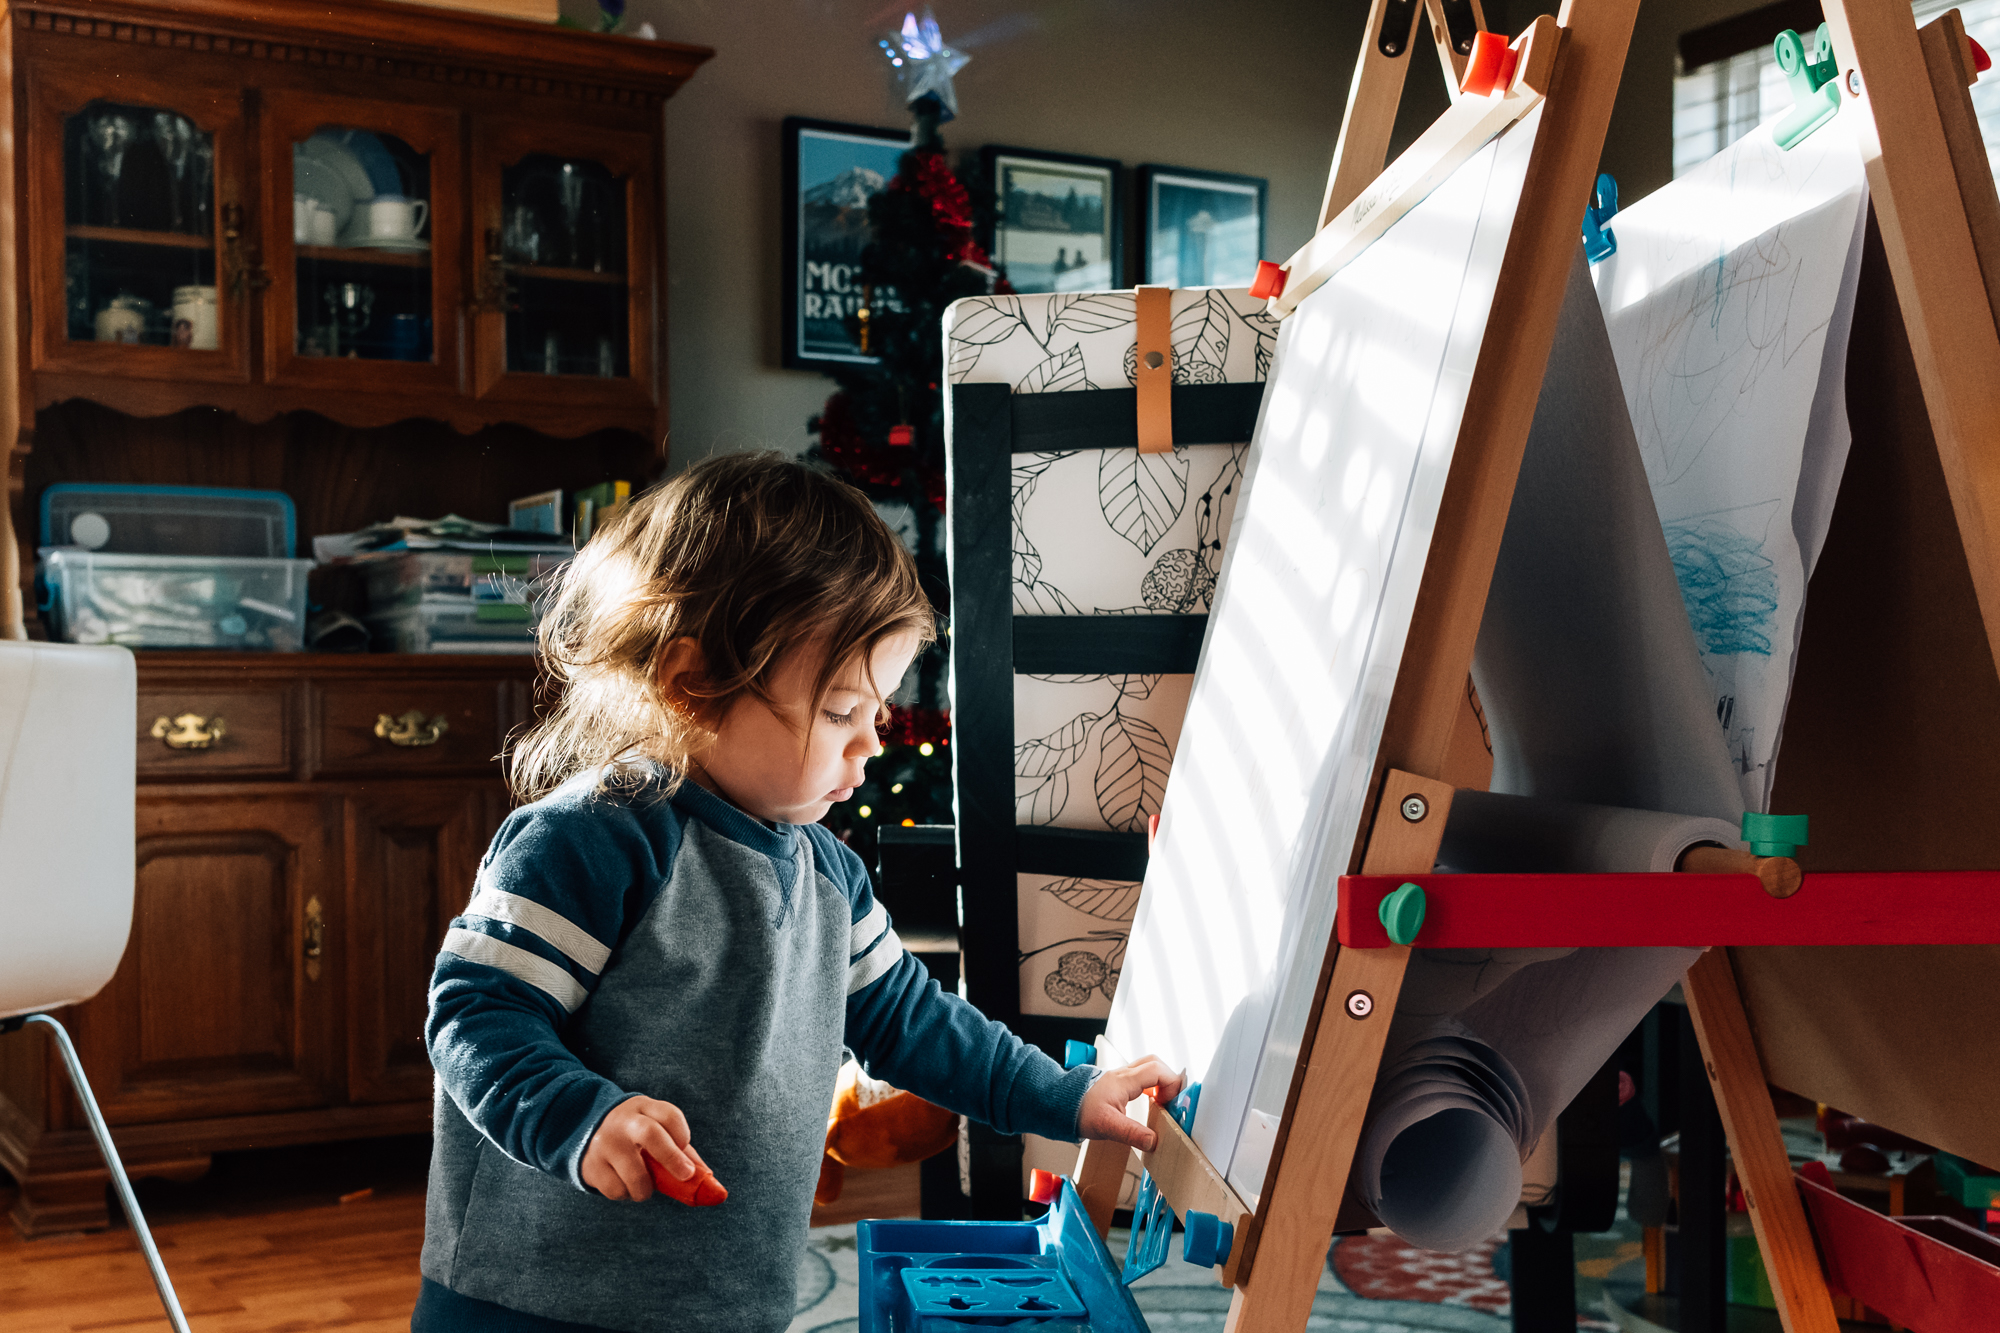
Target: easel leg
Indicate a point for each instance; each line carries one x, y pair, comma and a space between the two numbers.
1704, 1207
1372, 100
1100, 1177
1542, 1265
1297, 1212
1729, 1057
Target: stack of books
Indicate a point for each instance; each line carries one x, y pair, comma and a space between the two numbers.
449, 585
455, 601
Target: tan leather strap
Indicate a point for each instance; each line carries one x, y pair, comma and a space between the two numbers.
1155, 369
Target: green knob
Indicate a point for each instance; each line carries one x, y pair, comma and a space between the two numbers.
1402, 913
1774, 835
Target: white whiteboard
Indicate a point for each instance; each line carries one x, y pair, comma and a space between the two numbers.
1314, 604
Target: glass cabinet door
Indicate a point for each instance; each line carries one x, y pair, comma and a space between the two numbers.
136, 235
362, 210
565, 252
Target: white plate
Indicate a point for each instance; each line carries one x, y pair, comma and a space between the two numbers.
322, 184
323, 148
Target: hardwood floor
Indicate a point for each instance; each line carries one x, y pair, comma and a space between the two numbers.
262, 1244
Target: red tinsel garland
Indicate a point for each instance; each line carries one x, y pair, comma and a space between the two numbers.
950, 204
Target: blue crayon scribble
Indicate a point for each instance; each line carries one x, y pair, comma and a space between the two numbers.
1730, 589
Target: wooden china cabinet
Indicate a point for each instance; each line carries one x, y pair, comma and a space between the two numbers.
387, 259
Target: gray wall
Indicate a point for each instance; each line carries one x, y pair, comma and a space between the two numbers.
1255, 87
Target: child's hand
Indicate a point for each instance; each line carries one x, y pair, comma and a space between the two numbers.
613, 1164
1103, 1115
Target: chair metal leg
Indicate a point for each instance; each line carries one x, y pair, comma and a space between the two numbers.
118, 1177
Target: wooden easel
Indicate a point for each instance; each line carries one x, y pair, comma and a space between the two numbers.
1940, 224
1939, 219
1570, 67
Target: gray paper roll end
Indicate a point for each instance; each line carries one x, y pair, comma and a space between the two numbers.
1450, 1181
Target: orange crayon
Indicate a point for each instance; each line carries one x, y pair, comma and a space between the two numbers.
700, 1190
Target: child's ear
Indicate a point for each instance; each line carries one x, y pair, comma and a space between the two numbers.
683, 658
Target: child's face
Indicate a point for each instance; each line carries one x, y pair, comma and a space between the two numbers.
755, 761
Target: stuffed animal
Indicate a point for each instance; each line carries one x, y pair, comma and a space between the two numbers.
873, 1125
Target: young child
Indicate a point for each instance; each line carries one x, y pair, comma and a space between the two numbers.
665, 951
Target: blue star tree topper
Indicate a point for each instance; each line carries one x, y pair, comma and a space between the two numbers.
924, 65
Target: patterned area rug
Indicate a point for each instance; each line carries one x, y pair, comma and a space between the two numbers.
1374, 1284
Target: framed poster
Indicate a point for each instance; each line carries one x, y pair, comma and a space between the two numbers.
1202, 228
831, 172
1058, 221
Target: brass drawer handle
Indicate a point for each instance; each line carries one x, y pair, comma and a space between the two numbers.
315, 937
190, 731
411, 730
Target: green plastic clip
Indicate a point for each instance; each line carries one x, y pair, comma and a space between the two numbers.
1774, 835
1402, 913
1815, 87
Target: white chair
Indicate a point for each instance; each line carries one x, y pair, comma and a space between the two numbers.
68, 735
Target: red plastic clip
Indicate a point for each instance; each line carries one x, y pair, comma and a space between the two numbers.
1980, 60
1269, 282
1490, 68
904, 436
1044, 1186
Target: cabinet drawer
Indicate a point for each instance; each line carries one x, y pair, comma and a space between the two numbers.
427, 726
202, 733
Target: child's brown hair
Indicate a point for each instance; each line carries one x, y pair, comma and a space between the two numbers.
751, 556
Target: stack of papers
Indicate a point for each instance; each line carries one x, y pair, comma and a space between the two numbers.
450, 533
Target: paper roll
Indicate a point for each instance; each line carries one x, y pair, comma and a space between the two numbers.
1495, 833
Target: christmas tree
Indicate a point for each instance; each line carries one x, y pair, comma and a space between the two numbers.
883, 428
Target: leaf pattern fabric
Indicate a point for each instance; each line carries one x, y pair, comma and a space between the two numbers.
1099, 532
1220, 335
1141, 494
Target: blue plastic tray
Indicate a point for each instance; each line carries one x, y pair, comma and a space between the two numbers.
1049, 1276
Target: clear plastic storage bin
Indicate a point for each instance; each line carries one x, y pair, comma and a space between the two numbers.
176, 601
168, 520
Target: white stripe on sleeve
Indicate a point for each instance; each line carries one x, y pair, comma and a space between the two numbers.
867, 930
874, 964
519, 963
559, 930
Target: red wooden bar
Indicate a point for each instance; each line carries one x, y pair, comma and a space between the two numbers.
1542, 911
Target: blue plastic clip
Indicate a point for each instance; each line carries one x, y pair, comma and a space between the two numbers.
1598, 241
1152, 1215
1077, 1053
1207, 1239
991, 1294
1815, 87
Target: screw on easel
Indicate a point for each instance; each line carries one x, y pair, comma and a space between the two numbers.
1360, 1004
1415, 808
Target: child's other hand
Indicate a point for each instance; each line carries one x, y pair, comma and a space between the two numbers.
1103, 1115
612, 1164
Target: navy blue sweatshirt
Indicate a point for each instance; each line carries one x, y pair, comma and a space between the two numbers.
619, 943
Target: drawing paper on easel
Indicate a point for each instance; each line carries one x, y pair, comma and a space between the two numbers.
1728, 303
1320, 577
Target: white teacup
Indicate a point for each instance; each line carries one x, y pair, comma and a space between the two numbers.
389, 217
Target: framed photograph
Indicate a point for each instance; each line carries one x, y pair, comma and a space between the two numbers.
1058, 224
1202, 228
831, 172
